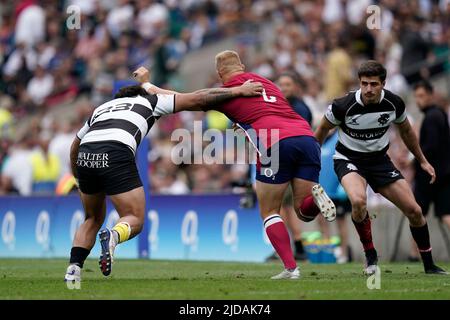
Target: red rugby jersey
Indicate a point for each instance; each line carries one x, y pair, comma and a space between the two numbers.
269, 111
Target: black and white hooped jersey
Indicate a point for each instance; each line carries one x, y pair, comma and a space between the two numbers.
126, 120
363, 128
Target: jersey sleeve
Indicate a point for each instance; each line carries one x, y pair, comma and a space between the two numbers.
165, 104
400, 111
334, 115
82, 132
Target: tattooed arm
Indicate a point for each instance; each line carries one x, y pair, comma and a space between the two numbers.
201, 99
206, 98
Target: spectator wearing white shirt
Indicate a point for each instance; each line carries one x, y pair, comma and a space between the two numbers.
40, 86
333, 11
152, 18
20, 56
120, 18
356, 10
30, 26
60, 145
17, 174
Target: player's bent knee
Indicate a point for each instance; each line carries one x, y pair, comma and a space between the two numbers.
359, 205
415, 216
358, 216
138, 228
415, 211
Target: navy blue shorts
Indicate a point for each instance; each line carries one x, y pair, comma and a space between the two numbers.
293, 157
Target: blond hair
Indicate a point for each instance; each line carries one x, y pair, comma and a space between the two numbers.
228, 61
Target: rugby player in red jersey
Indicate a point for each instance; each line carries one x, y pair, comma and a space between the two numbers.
288, 153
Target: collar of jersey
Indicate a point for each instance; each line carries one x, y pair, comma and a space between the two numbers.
358, 97
232, 79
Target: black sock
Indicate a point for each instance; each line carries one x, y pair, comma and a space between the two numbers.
299, 247
78, 255
422, 237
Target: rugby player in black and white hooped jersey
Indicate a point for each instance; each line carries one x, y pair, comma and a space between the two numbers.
363, 118
103, 161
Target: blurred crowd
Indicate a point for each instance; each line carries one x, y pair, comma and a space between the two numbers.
55, 68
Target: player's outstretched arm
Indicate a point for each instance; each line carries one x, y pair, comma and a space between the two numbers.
201, 99
323, 129
409, 137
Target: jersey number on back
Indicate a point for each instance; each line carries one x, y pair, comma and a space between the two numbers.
268, 98
117, 107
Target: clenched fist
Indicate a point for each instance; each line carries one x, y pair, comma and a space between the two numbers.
141, 74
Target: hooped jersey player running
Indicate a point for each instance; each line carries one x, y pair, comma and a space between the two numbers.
126, 120
299, 151
109, 139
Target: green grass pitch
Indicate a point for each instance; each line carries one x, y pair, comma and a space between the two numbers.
148, 279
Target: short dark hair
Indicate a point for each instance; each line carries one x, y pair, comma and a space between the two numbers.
372, 68
130, 91
426, 85
295, 77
